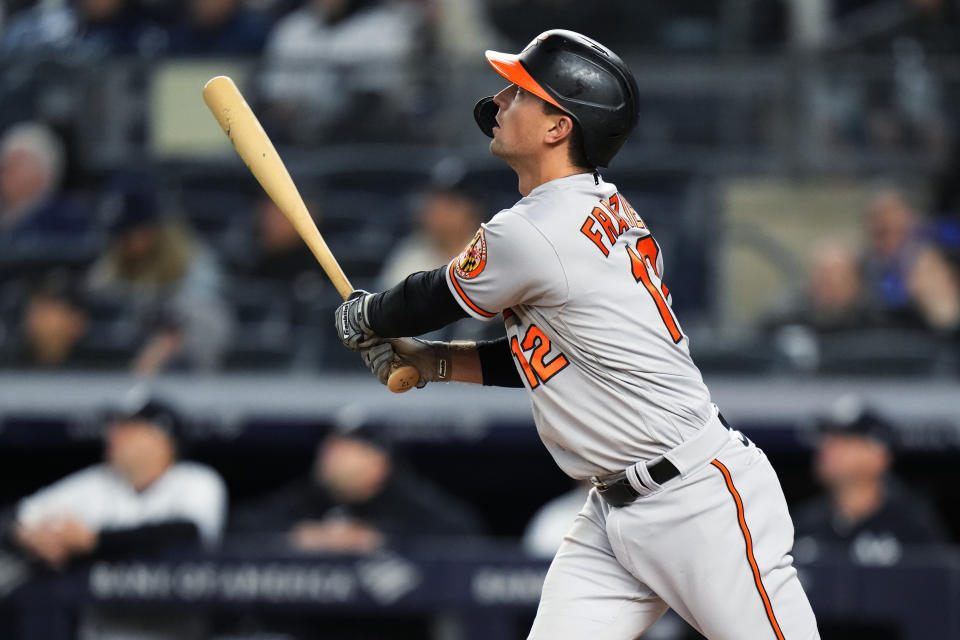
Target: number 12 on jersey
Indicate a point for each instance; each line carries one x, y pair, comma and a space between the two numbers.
536, 370
643, 264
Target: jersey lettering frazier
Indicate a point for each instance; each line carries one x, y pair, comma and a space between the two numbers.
536, 370
608, 220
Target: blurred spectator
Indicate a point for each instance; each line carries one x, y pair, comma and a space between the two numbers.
119, 27
97, 26
141, 499
866, 512
336, 67
171, 281
358, 498
834, 297
934, 287
54, 324
448, 217
552, 521
909, 280
31, 168
281, 254
218, 27
892, 244
42, 26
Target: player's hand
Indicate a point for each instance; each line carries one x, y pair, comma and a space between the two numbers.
431, 359
350, 318
379, 359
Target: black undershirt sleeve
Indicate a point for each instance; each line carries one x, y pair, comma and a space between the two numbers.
496, 363
420, 304
423, 303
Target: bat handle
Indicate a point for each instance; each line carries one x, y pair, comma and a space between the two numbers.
402, 378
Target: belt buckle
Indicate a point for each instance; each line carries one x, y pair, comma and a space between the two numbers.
606, 483
615, 490
599, 484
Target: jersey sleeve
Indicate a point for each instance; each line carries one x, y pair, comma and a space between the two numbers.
508, 262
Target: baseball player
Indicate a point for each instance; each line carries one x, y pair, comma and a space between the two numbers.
685, 512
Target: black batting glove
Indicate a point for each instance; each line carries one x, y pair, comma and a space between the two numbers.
432, 360
379, 359
350, 319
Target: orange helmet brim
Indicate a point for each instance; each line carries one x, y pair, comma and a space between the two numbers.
508, 65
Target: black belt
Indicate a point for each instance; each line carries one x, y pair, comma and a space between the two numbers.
617, 491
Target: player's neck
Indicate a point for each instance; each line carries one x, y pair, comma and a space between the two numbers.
531, 177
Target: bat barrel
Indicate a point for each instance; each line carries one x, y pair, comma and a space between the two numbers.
255, 148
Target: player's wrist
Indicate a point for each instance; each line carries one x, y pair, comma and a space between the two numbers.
437, 366
436, 361
352, 322
450, 360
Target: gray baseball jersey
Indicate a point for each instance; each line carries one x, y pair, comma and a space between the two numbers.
577, 276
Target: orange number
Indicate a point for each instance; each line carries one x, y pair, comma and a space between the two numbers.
643, 264
535, 369
522, 359
540, 343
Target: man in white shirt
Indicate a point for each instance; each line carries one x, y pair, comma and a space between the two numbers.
140, 497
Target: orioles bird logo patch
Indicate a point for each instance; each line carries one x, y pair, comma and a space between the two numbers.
474, 258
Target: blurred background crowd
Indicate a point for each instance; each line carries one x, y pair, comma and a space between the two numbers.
797, 160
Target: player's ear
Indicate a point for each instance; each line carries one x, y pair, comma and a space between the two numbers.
561, 129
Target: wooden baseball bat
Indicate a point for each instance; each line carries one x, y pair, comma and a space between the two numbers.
253, 145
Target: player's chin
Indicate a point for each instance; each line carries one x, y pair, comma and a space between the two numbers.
496, 147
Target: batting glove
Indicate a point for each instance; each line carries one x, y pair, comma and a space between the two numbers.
431, 359
350, 318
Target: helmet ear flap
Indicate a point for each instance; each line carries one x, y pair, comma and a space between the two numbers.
485, 113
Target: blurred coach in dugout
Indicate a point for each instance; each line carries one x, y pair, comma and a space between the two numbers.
865, 512
360, 496
141, 498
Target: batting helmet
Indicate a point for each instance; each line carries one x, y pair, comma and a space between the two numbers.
578, 75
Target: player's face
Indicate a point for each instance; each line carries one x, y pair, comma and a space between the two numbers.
521, 125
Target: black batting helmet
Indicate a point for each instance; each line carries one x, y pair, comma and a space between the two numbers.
578, 75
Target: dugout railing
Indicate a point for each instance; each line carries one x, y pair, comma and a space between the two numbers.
470, 594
